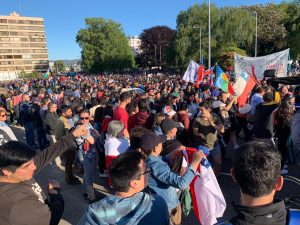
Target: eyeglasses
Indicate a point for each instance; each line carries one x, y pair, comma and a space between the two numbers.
147, 171
84, 118
3, 115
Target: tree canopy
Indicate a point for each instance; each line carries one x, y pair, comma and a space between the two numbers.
155, 43
104, 46
59, 65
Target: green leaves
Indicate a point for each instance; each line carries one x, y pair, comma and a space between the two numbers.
104, 46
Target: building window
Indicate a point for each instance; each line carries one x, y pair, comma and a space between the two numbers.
3, 21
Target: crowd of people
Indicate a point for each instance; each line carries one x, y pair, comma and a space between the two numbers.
131, 131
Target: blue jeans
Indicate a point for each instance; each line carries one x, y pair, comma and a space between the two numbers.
90, 168
29, 132
42, 137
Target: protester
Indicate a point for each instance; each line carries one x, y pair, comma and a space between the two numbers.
130, 204
50, 121
61, 129
6, 134
162, 180
256, 170
22, 200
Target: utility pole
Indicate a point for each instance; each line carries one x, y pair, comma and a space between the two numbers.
255, 34
155, 55
209, 49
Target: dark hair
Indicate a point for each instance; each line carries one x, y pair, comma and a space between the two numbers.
286, 111
125, 168
13, 154
143, 105
50, 104
136, 135
268, 96
108, 111
183, 106
78, 109
256, 168
64, 108
259, 89
207, 104
124, 96
84, 111
45, 100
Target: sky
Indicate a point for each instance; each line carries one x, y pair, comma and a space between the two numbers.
64, 18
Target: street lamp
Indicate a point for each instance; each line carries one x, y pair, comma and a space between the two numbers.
198, 27
255, 54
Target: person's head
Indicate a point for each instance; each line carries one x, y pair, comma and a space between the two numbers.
66, 111
191, 98
16, 161
143, 105
151, 144
159, 117
169, 128
3, 115
205, 107
78, 109
256, 169
224, 96
284, 90
260, 90
125, 97
129, 173
45, 101
52, 107
115, 129
286, 111
84, 116
135, 137
25, 98
268, 96
183, 106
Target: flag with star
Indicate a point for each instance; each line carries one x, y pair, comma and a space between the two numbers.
243, 86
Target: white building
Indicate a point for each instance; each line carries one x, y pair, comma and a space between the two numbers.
135, 44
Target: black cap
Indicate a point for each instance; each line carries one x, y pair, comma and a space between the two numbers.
167, 125
150, 140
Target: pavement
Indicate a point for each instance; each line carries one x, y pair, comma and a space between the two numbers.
75, 204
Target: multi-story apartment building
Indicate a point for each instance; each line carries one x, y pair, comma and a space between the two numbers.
23, 46
135, 44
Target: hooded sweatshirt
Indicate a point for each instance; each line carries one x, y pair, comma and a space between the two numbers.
141, 208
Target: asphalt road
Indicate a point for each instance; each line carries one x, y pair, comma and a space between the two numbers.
75, 204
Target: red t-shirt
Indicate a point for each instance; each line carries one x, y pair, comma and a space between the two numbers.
104, 124
121, 115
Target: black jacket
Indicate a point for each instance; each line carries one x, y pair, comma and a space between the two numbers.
273, 214
50, 122
25, 202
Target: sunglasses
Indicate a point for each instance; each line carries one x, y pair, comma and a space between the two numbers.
3, 115
84, 118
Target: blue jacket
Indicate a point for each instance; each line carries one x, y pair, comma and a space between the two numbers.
164, 182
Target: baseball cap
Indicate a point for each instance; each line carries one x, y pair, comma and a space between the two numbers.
150, 140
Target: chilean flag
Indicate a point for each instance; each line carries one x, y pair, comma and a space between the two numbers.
243, 86
207, 197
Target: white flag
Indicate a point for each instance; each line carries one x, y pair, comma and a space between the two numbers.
191, 73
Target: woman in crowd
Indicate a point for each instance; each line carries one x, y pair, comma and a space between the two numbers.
115, 143
88, 155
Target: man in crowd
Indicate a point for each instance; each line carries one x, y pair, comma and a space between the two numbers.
61, 129
256, 170
264, 119
50, 121
26, 120
205, 130
120, 112
135, 206
22, 200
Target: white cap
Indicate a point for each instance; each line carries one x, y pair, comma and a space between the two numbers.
217, 104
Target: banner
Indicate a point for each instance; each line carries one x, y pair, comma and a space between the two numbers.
277, 61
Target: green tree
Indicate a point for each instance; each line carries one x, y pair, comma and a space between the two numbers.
59, 65
155, 42
230, 28
272, 35
291, 11
32, 75
104, 46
